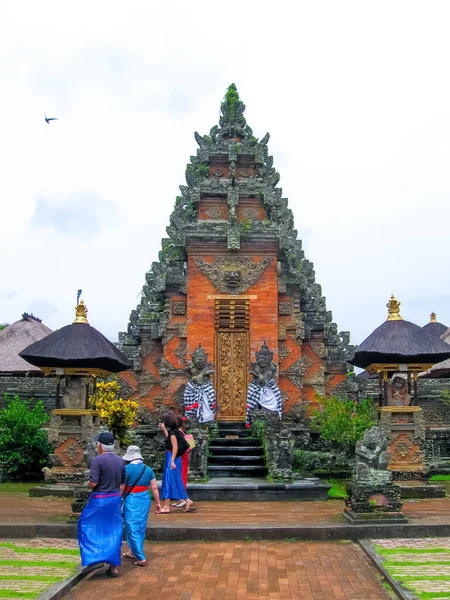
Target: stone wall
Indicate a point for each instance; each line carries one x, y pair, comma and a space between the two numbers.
38, 388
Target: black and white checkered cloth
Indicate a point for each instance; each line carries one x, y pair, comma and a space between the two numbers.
254, 396
193, 399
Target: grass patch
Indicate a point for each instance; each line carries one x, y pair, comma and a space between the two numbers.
20, 549
403, 550
61, 564
337, 491
414, 563
47, 578
432, 595
440, 478
14, 594
17, 488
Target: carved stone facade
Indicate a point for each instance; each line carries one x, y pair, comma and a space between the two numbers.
231, 236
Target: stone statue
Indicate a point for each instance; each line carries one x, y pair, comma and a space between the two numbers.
263, 391
74, 396
397, 392
372, 458
199, 395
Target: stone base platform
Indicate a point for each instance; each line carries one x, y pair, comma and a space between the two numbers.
58, 491
374, 518
420, 489
255, 489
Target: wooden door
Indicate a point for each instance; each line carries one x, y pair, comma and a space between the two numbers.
232, 358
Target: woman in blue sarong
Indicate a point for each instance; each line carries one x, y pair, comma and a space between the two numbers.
136, 506
172, 487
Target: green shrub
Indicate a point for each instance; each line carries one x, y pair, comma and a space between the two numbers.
307, 460
342, 421
24, 448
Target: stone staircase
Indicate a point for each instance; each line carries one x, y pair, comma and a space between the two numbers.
234, 453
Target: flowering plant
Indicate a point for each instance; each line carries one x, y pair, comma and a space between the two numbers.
118, 414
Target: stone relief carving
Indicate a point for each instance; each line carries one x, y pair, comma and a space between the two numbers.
284, 308
214, 213
179, 308
233, 275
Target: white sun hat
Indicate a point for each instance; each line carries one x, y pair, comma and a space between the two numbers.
132, 453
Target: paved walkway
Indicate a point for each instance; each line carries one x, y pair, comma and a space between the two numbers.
23, 509
241, 571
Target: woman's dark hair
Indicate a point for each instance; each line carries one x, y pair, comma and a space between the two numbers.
170, 420
180, 420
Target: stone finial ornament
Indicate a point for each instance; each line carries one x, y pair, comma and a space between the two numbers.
433, 318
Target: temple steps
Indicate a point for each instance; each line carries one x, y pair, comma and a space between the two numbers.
234, 453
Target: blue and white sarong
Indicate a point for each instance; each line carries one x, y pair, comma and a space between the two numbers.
200, 401
268, 397
100, 529
135, 513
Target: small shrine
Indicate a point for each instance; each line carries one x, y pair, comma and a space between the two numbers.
397, 352
231, 278
75, 355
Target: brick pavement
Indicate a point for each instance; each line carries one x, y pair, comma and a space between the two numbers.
23, 510
241, 571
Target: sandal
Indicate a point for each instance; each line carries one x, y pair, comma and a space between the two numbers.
140, 563
111, 573
128, 555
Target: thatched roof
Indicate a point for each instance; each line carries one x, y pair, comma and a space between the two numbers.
77, 346
14, 338
434, 326
398, 341
441, 369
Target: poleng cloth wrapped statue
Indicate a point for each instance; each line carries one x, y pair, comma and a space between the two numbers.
199, 396
263, 391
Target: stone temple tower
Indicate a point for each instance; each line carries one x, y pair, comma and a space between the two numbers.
232, 275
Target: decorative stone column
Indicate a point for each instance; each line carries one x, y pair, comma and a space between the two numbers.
405, 430
71, 434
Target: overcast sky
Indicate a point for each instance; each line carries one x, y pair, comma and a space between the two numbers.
355, 95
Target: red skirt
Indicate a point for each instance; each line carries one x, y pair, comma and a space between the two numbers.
185, 468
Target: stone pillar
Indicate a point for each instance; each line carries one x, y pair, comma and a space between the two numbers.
71, 434
405, 430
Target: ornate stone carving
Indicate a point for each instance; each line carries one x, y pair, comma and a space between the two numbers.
214, 212
245, 173
250, 213
233, 275
283, 352
218, 172
372, 458
179, 308
282, 331
264, 369
199, 369
74, 392
180, 351
284, 308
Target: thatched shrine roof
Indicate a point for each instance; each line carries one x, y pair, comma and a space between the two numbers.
434, 326
77, 346
441, 369
14, 338
400, 342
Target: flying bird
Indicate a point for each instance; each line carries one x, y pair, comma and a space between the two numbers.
47, 119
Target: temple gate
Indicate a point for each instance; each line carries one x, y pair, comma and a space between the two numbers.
232, 275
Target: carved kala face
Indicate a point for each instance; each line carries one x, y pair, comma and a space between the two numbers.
232, 278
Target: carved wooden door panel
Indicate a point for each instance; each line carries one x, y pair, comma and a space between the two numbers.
232, 358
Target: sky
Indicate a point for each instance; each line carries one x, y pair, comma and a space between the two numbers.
355, 95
